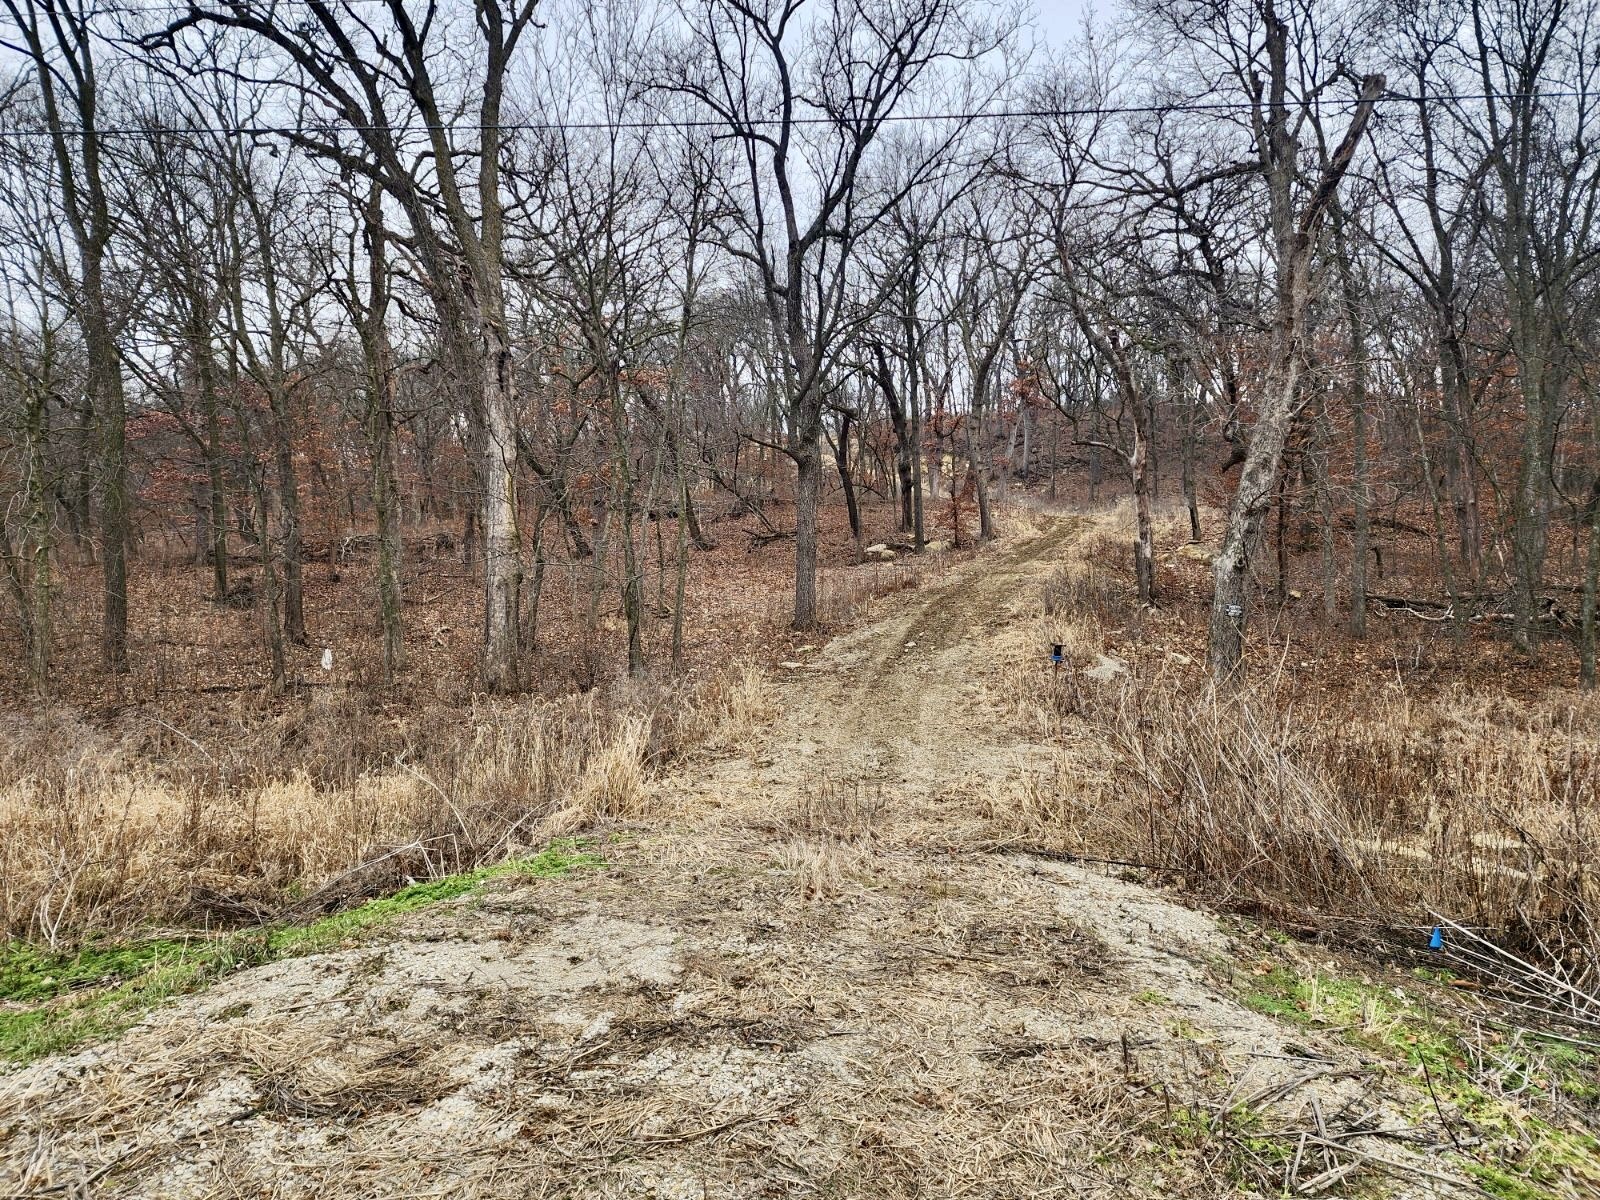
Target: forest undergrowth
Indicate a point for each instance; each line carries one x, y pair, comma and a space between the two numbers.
1328, 795
272, 813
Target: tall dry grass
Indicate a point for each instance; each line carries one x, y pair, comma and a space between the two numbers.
1365, 808
257, 812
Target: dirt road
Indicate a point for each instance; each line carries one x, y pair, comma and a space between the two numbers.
805, 980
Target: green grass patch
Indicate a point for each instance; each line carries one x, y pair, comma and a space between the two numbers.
52, 1002
551, 863
1520, 1156
1252, 1157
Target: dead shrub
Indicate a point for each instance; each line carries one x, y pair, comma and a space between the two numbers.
836, 811
1086, 588
1381, 813
846, 593
1376, 807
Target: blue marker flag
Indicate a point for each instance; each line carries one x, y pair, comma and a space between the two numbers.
1436, 942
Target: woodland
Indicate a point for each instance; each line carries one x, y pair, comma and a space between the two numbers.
799, 597
305, 288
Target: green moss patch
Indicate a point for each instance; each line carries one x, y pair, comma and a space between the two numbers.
1518, 1156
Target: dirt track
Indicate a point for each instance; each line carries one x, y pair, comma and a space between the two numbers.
808, 980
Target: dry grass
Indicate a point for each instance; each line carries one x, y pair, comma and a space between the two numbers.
263, 811
862, 1045
824, 839
1370, 805
1092, 585
847, 593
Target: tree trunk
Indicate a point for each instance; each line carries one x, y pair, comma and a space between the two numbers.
294, 613
1189, 496
36, 612
1591, 578
1317, 462
1139, 464
902, 441
1456, 393
1446, 568
105, 385
1252, 500
269, 599
919, 531
979, 484
680, 578
1281, 583
386, 511
841, 458
623, 501
807, 494
382, 387
1591, 574
1363, 522
1055, 432
502, 552
216, 547
77, 152
533, 592
1144, 556
1531, 509
1025, 473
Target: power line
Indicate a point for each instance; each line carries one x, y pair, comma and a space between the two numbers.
646, 125
141, 9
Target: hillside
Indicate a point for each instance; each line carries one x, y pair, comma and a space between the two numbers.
814, 966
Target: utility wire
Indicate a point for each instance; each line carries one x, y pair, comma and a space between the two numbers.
1007, 114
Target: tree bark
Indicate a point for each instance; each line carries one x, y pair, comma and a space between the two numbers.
88, 214
1190, 498
1356, 333
294, 609
502, 552
807, 494
217, 529
841, 458
902, 436
380, 429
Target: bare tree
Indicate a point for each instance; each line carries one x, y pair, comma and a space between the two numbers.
60, 46
384, 84
1281, 102
805, 124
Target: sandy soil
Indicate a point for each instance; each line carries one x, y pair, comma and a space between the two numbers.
813, 979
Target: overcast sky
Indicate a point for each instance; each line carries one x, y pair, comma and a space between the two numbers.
1057, 19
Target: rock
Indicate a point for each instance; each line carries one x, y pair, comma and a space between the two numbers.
878, 549
1183, 660
938, 547
793, 666
878, 553
1197, 552
1106, 669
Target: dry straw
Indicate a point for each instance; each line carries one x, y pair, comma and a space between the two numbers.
331, 800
